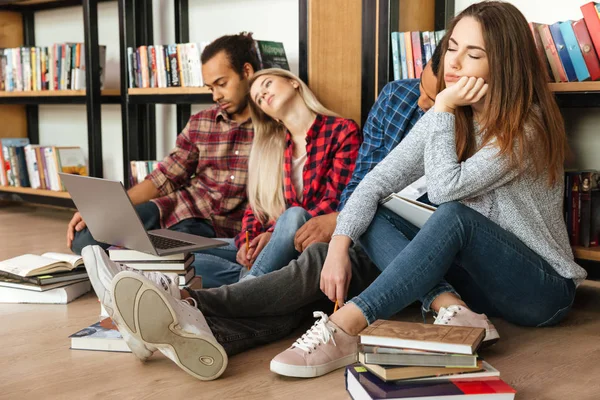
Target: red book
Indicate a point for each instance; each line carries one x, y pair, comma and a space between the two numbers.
558, 71
540, 46
417, 53
585, 44
590, 15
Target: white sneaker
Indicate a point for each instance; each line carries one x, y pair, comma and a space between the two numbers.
461, 316
101, 271
173, 326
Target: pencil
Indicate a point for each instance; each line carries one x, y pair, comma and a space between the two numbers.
247, 242
336, 306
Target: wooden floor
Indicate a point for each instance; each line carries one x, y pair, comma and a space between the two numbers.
35, 361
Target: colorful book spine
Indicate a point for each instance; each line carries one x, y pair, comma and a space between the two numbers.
402, 48
558, 72
396, 55
417, 53
409, 55
590, 15
587, 49
581, 71
562, 51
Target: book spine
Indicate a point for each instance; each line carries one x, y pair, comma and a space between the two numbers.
581, 71
166, 61
174, 62
590, 15
426, 45
409, 55
396, 55
585, 210
587, 49
417, 53
562, 51
558, 71
402, 50
575, 210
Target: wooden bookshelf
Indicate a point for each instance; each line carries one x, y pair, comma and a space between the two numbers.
168, 91
587, 253
566, 87
56, 93
35, 192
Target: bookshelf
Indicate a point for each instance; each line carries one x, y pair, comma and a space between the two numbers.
17, 18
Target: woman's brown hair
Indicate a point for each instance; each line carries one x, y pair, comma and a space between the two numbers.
518, 95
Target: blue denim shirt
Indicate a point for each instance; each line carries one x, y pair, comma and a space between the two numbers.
391, 118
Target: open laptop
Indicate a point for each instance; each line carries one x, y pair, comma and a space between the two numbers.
111, 218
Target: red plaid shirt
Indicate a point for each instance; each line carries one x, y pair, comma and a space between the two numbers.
205, 175
331, 150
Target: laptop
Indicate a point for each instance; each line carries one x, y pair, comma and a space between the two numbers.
111, 218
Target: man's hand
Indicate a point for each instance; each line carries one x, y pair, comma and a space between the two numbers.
75, 225
316, 230
465, 92
241, 257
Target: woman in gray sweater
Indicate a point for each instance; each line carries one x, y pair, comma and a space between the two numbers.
492, 151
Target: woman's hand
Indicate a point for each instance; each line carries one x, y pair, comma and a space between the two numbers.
241, 257
337, 271
465, 92
257, 245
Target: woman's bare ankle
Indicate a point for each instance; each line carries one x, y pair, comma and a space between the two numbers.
350, 319
446, 300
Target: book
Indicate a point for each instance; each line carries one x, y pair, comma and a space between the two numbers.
556, 67
572, 45
590, 15
407, 204
38, 288
401, 372
362, 384
101, 336
163, 266
412, 335
562, 51
122, 254
587, 49
486, 371
61, 295
271, 54
28, 265
413, 357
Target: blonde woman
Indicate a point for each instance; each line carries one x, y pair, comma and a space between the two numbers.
302, 158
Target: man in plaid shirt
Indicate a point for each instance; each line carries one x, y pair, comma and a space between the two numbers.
200, 187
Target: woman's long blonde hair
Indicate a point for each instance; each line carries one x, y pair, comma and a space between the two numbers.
265, 166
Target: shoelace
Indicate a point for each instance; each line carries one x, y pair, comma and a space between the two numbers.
317, 334
446, 315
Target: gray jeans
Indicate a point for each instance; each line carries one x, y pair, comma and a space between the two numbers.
261, 310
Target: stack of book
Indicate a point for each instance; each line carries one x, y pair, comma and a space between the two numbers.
103, 335
50, 278
408, 360
180, 264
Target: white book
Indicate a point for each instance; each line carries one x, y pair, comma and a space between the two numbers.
123, 255
159, 266
38, 288
406, 205
62, 295
27, 265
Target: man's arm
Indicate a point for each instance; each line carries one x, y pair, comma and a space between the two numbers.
143, 192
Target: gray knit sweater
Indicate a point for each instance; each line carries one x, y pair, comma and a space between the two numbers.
521, 203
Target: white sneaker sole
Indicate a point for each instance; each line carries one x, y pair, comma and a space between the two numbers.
301, 371
148, 316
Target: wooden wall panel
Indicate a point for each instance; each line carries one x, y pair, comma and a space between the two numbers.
416, 15
13, 122
334, 54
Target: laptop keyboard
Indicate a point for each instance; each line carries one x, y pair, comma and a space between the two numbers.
164, 243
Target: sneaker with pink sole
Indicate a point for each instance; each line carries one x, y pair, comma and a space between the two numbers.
322, 349
462, 316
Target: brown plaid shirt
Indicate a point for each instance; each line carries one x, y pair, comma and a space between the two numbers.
205, 175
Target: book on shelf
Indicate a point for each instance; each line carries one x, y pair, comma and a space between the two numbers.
60, 295
101, 336
582, 207
138, 170
402, 372
411, 51
57, 67
362, 384
414, 357
412, 335
271, 54
30, 265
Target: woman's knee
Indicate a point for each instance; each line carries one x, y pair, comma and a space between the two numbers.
293, 218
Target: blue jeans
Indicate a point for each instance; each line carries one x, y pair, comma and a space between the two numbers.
150, 217
494, 272
219, 266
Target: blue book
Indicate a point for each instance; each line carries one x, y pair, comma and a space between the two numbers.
396, 55
562, 51
403, 64
566, 28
